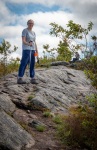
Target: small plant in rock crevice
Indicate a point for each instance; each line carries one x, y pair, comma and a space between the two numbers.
40, 128
47, 114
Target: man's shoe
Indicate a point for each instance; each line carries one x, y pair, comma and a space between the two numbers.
20, 81
33, 81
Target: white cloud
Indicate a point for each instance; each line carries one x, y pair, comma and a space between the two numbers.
84, 9
41, 28
10, 31
6, 16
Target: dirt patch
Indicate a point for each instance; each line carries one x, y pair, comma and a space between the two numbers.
46, 140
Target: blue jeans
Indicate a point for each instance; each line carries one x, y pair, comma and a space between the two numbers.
27, 58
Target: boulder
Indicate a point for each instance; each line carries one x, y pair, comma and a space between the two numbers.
36, 123
6, 103
12, 135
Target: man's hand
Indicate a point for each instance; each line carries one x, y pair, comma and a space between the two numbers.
30, 43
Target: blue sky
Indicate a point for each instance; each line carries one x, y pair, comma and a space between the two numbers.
33, 8
14, 15
29, 8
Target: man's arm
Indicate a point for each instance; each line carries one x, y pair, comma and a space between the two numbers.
25, 42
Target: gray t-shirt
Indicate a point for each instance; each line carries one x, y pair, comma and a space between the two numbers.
30, 36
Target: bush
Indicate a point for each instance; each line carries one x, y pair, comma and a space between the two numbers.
57, 119
40, 128
5, 65
10, 67
47, 114
79, 129
31, 97
90, 68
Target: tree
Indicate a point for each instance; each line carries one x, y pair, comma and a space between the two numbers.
64, 52
48, 50
72, 34
5, 51
94, 38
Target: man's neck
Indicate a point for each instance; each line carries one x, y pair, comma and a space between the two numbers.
30, 29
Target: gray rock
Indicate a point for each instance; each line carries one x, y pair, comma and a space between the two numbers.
36, 123
12, 136
22, 116
6, 103
39, 103
59, 87
64, 63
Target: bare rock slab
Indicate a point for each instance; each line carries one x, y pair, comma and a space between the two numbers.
12, 135
6, 103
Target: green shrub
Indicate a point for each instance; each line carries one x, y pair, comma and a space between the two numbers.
40, 128
57, 119
47, 114
93, 102
7, 65
79, 128
31, 97
90, 68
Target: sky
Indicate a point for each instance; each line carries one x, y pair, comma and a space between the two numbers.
14, 15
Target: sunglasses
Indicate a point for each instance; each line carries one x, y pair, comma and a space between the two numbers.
31, 23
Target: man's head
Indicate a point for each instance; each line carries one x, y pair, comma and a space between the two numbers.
30, 23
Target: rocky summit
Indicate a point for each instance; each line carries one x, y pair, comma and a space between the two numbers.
59, 87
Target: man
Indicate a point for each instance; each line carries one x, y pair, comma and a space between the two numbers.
77, 56
28, 49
